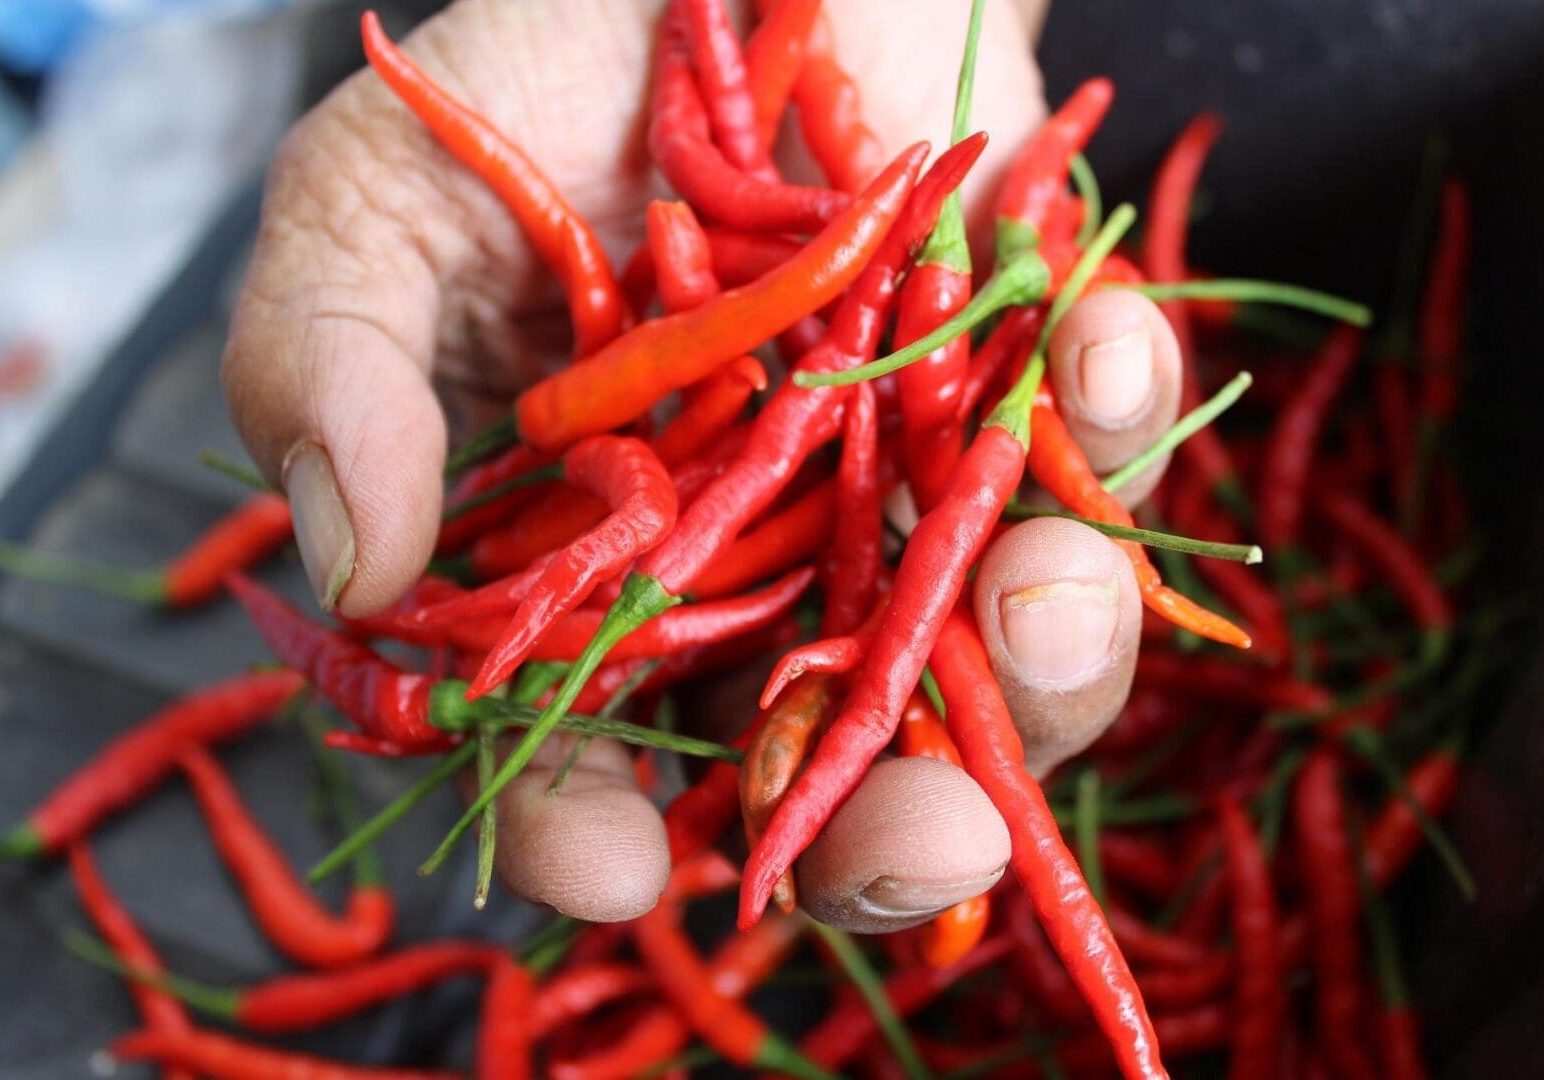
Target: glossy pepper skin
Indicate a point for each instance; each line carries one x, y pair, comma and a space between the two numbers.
135, 763
722, 70
504, 1030
1038, 175
774, 55
1259, 1003
856, 559
930, 390
239, 540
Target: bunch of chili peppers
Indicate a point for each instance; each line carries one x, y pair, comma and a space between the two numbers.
1204, 884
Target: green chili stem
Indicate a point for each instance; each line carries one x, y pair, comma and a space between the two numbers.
946, 244
487, 845
1086, 830
1248, 554
215, 1000
1183, 428
1087, 185
934, 695
1143, 811
137, 586
499, 435
236, 470
1380, 933
1273, 799
545, 474
1248, 290
869, 984
609, 709
340, 794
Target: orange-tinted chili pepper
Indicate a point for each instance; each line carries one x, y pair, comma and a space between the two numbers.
993, 754
682, 257
798, 532
740, 256
1259, 1003
722, 72
504, 1034
222, 1057
560, 236
288, 914
132, 764
709, 412
159, 1010
1038, 174
774, 55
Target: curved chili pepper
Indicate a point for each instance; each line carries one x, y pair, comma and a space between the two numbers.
225, 1058
1039, 172
159, 1010
562, 238
478, 484
722, 70
1333, 910
133, 763
681, 254
798, 532
930, 390
681, 144
1395, 834
740, 256
774, 55
857, 542
1259, 1002
579, 991
993, 755
1183, 988
709, 412
1209, 678
1284, 472
288, 914
382, 699
829, 656
631, 480
504, 1033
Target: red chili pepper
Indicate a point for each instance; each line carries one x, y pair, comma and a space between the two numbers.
159, 1010
1148, 945
1442, 312
700, 814
382, 699
1214, 679
1138, 861
798, 532
627, 476
1395, 834
930, 389
1184, 988
1008, 344
579, 991
681, 255
1284, 474
562, 238
504, 1034
1193, 1031
478, 483
774, 55
709, 412
829, 656
1259, 1004
857, 544
136, 761
225, 1058
1334, 909
1038, 174
993, 754
721, 69
740, 256
288, 914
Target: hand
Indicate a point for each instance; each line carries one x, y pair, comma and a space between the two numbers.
383, 269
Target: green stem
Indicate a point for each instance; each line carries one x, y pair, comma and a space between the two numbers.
642, 598
21, 842
499, 435
1248, 554
340, 795
1086, 830
236, 470
1273, 799
219, 1001
559, 930
869, 984
615, 702
1183, 428
1385, 945
1145, 811
947, 244
546, 474
934, 694
137, 586
487, 844
1021, 281
1248, 290
1087, 185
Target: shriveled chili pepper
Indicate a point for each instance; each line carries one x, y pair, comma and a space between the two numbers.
1284, 473
504, 1027
562, 238
1039, 171
829, 656
1259, 1002
774, 55
857, 542
239, 540
382, 699
283, 907
993, 755
798, 532
722, 70
222, 1057
1334, 909
132, 764
633, 483
159, 1010
681, 144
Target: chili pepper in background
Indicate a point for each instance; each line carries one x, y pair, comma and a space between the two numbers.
1399, 1035
1259, 1003
800, 531
1038, 174
1391, 394
740, 256
993, 755
1181, 988
700, 814
776, 751
240, 539
1149, 945
1289, 453
560, 236
133, 763
1395, 834
682, 148
857, 543
1137, 861
1059, 465
1333, 910
288, 914
159, 1010
581, 990
225, 1058
478, 483
1214, 679
722, 70
681, 254
1194, 1031
633, 483
829, 656
382, 699
1441, 337
709, 412
774, 56
1010, 340
504, 1030
1382, 545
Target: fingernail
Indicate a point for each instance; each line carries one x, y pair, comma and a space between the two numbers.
1060, 631
322, 527
1116, 377
891, 896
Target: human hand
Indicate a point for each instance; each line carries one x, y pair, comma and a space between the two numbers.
383, 269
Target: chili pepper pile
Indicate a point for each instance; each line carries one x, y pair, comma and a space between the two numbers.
1205, 884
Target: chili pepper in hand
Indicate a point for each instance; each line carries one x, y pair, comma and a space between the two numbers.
504, 1034
722, 70
136, 761
993, 754
774, 55
562, 238
829, 656
1039, 171
225, 1058
159, 1010
796, 533
857, 545
289, 915
1259, 1003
